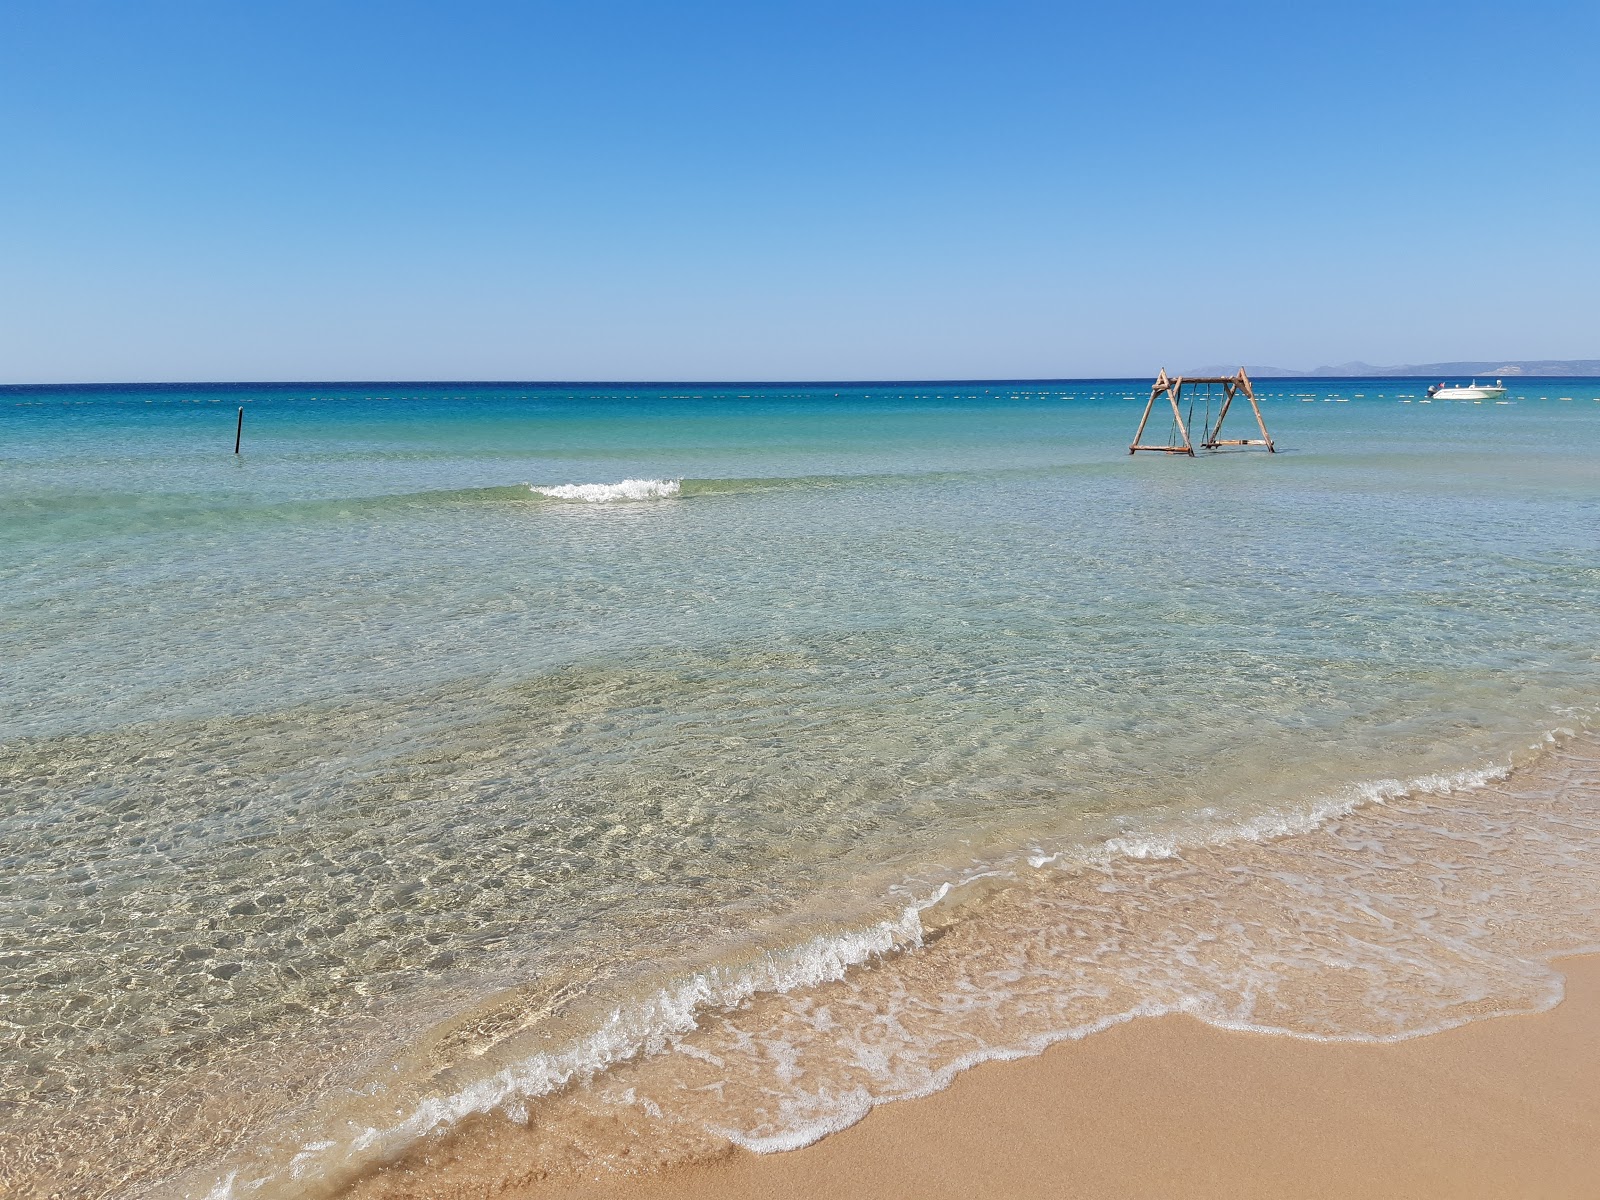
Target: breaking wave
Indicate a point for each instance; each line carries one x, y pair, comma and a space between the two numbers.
647, 1026
608, 493
62, 516
1392, 910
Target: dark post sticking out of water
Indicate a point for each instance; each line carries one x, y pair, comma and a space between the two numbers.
238, 432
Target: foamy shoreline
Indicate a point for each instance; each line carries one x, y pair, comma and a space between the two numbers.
1471, 976
1171, 1106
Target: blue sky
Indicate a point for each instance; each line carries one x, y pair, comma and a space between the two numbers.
329, 190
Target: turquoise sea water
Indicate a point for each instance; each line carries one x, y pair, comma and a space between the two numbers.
457, 748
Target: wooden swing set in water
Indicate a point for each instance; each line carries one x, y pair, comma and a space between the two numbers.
1210, 433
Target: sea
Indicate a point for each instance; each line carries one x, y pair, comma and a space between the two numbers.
472, 783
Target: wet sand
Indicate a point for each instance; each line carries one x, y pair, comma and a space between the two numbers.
1172, 1107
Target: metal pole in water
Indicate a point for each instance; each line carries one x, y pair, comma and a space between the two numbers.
238, 432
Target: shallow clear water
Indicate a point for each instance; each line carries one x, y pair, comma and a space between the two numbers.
356, 784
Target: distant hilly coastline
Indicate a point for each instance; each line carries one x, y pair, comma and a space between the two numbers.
1542, 366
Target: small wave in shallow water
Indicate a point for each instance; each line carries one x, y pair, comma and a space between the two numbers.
1395, 911
609, 493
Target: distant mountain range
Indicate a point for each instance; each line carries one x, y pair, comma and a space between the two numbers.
1542, 366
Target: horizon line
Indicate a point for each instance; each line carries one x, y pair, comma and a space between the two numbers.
707, 383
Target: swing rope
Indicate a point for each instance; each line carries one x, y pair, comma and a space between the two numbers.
1205, 430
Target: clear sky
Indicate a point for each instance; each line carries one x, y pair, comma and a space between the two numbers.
219, 191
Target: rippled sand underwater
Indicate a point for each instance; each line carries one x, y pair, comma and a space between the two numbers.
519, 763
1425, 907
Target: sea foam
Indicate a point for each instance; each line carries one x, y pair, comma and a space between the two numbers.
607, 493
649, 1026
1396, 909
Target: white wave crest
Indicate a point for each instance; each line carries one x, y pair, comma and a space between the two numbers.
607, 493
1269, 826
649, 1026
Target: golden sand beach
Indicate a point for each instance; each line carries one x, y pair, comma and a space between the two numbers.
1171, 1107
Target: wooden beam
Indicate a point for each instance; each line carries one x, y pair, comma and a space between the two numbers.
1227, 403
1154, 392
1256, 408
1174, 391
1234, 385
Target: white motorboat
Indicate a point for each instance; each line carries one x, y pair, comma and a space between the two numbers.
1473, 391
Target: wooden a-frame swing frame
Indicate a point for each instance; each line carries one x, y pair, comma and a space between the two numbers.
1210, 439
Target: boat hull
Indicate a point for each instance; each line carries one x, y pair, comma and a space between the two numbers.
1469, 393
